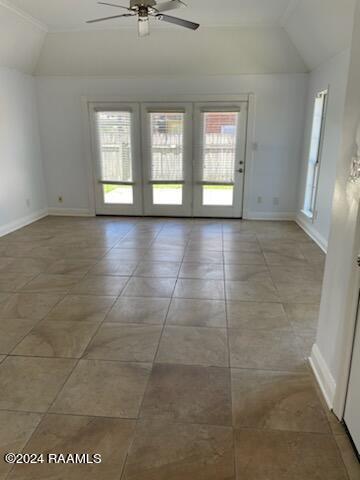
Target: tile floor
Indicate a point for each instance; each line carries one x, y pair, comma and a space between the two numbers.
174, 348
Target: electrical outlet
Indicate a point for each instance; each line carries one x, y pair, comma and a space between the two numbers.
259, 199
60, 199
276, 201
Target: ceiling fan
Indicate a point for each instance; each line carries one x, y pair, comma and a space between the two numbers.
144, 9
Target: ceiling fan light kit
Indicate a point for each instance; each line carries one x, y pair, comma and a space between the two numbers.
144, 9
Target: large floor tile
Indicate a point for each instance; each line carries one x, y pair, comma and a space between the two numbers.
100, 285
188, 394
51, 283
347, 453
246, 273
276, 401
299, 274
304, 318
139, 310
111, 266
82, 308
104, 389
158, 269
65, 434
150, 287
197, 313
211, 271
278, 455
12, 331
262, 349
163, 451
242, 258
201, 289
13, 282
193, 346
252, 291
203, 256
57, 339
256, 315
31, 384
73, 266
28, 305
15, 430
129, 343
304, 292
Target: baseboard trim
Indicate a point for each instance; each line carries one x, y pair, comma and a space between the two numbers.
69, 212
323, 376
22, 222
270, 216
313, 233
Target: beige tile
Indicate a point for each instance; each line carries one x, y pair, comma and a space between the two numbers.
82, 308
129, 343
28, 265
244, 246
164, 451
150, 287
203, 256
100, 285
109, 437
241, 258
197, 313
31, 384
15, 430
252, 291
199, 289
51, 283
12, 331
70, 266
303, 317
256, 315
246, 273
13, 282
212, 271
160, 254
276, 401
188, 394
158, 269
262, 349
113, 267
299, 274
305, 292
193, 346
274, 455
104, 389
28, 305
57, 339
139, 310
348, 455
128, 255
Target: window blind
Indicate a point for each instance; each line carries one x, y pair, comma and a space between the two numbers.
114, 130
219, 146
167, 137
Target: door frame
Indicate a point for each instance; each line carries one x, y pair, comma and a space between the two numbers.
88, 150
233, 211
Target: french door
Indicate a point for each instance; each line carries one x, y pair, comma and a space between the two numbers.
169, 159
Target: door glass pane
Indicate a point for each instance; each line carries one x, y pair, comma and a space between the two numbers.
218, 195
167, 194
167, 136
219, 146
118, 194
115, 146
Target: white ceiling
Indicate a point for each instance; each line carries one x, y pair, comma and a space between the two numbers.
72, 14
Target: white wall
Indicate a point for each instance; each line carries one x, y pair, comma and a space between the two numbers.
332, 351
279, 123
333, 75
21, 170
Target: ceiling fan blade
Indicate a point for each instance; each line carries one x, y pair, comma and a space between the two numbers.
177, 21
170, 5
144, 27
110, 18
113, 5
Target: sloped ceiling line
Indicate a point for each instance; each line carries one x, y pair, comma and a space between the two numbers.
24, 15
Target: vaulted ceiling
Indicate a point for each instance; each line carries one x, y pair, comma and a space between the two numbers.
243, 36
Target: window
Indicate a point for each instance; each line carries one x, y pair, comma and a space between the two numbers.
167, 136
220, 134
115, 143
315, 154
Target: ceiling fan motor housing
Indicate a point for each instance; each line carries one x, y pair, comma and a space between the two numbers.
135, 4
